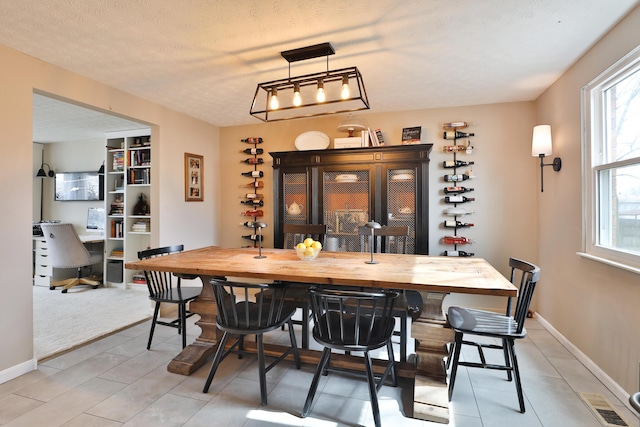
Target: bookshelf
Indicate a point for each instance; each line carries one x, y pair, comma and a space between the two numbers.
127, 203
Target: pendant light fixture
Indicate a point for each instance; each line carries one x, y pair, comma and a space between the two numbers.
317, 94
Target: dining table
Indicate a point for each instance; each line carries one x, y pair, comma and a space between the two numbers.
433, 276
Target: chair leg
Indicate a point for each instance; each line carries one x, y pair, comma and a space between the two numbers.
507, 359
216, 361
516, 373
156, 310
262, 371
373, 393
294, 345
454, 367
305, 326
324, 358
392, 363
403, 338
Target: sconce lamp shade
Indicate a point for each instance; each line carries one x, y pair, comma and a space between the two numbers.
42, 174
541, 142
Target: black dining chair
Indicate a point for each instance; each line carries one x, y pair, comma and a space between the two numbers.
393, 239
507, 328
243, 309
353, 321
164, 287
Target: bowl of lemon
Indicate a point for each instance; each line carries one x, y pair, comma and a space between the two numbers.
309, 249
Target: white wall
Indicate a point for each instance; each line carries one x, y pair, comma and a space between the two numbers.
594, 305
174, 134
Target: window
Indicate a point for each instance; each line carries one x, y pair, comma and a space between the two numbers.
611, 155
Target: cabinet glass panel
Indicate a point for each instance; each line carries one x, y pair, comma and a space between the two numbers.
401, 202
346, 202
295, 197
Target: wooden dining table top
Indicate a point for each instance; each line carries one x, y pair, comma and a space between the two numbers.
427, 273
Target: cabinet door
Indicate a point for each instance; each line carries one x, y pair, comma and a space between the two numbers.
346, 203
401, 200
295, 191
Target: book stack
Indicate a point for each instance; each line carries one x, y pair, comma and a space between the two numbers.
118, 161
117, 207
117, 252
138, 278
141, 227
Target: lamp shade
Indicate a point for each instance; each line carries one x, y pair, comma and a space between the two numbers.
541, 141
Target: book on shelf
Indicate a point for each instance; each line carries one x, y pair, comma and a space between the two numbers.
379, 137
373, 137
118, 161
117, 252
411, 135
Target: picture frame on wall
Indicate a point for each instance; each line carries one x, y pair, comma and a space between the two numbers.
193, 178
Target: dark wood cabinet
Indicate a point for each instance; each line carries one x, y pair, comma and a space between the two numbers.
345, 188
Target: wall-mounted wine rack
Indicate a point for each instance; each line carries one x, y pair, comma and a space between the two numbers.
455, 192
253, 198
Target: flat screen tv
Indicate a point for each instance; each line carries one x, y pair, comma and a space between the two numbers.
76, 186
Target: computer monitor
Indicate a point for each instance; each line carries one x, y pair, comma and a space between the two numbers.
95, 220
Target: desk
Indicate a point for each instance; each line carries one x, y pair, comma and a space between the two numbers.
433, 277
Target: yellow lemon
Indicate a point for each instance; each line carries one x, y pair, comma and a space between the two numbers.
316, 245
308, 241
309, 252
301, 246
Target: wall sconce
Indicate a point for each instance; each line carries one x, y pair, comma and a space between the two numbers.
540, 147
317, 94
373, 226
101, 169
259, 226
42, 174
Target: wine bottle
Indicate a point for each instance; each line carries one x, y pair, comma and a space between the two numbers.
256, 237
253, 174
454, 125
458, 253
455, 163
253, 151
254, 161
252, 140
450, 223
457, 190
253, 212
458, 211
457, 177
256, 184
253, 202
457, 148
456, 240
458, 199
254, 196
249, 224
452, 134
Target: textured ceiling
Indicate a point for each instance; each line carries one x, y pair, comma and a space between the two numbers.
204, 57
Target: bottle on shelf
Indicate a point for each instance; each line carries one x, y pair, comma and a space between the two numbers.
249, 224
457, 190
456, 240
458, 211
255, 237
254, 161
256, 184
458, 253
254, 196
449, 164
253, 174
253, 202
453, 134
455, 125
458, 199
451, 223
457, 148
252, 140
253, 212
253, 151
458, 177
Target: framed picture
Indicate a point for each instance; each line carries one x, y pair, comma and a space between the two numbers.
193, 178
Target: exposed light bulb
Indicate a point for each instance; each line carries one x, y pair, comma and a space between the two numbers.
274, 104
297, 99
320, 96
345, 87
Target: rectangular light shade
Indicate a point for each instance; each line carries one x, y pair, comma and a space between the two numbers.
541, 142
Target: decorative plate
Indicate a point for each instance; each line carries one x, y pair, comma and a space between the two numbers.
312, 140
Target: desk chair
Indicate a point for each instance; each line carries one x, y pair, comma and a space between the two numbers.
162, 290
350, 320
297, 293
67, 251
409, 305
244, 309
505, 327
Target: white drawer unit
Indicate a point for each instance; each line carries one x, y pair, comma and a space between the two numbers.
43, 271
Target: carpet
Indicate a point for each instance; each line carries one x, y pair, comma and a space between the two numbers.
64, 321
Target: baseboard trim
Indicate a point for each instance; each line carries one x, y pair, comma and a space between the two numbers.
606, 380
18, 370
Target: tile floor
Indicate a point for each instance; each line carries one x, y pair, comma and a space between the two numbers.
115, 381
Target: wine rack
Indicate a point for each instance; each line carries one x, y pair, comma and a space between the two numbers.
253, 197
456, 191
